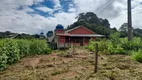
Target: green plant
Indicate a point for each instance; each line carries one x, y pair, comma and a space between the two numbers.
39, 47
137, 56
91, 45
24, 46
3, 60
11, 50
133, 45
115, 38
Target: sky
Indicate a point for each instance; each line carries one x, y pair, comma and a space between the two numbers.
33, 16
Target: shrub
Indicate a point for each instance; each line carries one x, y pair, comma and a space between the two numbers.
137, 56
24, 47
91, 45
117, 49
11, 50
133, 45
106, 47
39, 47
3, 60
101, 45
115, 38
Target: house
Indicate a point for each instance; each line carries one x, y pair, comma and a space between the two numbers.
78, 36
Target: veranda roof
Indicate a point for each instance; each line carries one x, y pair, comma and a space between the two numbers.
81, 35
66, 34
87, 35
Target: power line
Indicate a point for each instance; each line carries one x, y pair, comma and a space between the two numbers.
103, 5
106, 6
133, 12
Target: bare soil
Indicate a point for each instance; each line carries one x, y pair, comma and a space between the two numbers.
78, 66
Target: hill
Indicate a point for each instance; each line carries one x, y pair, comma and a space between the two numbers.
9, 34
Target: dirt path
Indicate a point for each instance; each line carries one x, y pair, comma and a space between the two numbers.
80, 66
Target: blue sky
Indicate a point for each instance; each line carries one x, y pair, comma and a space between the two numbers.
50, 4
33, 16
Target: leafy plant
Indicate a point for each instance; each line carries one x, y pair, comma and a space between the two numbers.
24, 46
38, 47
11, 50
133, 45
3, 60
137, 56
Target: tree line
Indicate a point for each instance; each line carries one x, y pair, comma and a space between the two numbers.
101, 26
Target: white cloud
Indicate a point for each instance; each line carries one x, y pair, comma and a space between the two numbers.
15, 20
116, 12
45, 9
20, 21
71, 10
57, 4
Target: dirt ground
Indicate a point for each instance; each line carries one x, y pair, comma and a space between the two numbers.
80, 66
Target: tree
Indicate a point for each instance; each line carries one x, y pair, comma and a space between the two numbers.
36, 36
49, 33
123, 30
92, 22
124, 27
7, 32
138, 32
105, 23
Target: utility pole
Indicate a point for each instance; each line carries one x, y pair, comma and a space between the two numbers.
130, 33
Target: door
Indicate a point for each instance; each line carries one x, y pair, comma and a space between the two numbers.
81, 41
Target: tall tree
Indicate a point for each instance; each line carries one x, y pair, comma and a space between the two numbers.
105, 23
91, 21
123, 30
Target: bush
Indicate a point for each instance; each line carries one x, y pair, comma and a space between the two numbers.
116, 45
11, 50
38, 47
24, 47
106, 47
137, 56
101, 45
3, 59
133, 45
91, 45
115, 38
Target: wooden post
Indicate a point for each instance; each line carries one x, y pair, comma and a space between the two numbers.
96, 58
64, 46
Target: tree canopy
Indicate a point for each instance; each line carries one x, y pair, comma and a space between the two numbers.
96, 24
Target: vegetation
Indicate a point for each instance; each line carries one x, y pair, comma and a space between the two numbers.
92, 22
124, 30
12, 50
137, 56
79, 67
117, 45
101, 26
8, 34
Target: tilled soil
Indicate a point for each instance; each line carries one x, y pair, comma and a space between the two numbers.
78, 66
